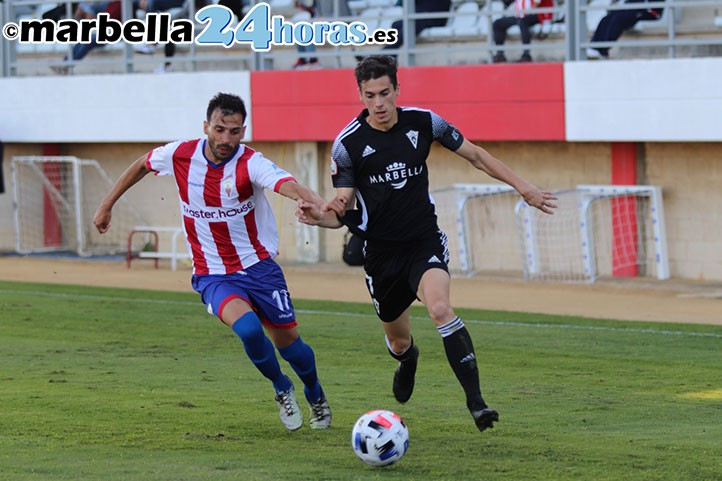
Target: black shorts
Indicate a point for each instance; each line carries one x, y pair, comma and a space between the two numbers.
393, 274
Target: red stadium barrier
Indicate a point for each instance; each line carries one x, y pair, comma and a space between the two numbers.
486, 102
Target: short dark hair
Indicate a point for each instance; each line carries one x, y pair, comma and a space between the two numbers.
228, 103
376, 66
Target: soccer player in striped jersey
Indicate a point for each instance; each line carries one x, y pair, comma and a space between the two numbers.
379, 163
232, 238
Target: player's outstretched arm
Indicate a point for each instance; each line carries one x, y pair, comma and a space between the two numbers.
136, 171
326, 214
295, 191
483, 160
309, 205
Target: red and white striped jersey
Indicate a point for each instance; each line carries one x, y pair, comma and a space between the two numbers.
520, 6
228, 222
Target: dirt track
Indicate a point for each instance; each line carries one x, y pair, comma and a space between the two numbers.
649, 301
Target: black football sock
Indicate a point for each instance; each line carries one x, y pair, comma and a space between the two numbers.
462, 359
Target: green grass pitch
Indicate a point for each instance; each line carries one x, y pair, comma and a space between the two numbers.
113, 384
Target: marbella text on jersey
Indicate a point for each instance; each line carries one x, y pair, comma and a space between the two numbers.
257, 29
395, 172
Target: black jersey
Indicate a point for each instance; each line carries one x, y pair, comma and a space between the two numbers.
390, 175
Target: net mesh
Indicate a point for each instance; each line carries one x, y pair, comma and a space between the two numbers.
481, 228
592, 233
55, 200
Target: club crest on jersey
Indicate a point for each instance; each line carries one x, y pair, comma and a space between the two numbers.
228, 187
413, 136
397, 174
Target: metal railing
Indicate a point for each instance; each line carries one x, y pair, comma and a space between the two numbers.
565, 44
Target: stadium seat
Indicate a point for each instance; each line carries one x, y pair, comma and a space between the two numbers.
300, 16
371, 17
596, 16
389, 15
286, 8
357, 6
464, 22
661, 22
382, 3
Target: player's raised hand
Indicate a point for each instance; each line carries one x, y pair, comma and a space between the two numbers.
542, 200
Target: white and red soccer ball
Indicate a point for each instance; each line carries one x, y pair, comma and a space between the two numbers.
380, 438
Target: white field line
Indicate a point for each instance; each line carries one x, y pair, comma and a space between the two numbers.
662, 332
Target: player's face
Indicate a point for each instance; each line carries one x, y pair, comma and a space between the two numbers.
379, 96
224, 135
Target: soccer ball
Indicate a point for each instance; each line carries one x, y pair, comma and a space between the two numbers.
380, 438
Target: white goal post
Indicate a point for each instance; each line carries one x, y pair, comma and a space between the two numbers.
597, 231
54, 199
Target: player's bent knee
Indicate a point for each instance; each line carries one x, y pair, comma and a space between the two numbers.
283, 337
248, 327
440, 312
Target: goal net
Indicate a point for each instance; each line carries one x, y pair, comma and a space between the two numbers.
597, 231
481, 228
55, 198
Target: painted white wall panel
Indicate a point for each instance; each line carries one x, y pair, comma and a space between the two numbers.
644, 100
113, 108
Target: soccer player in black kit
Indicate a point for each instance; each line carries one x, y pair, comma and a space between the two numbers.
379, 160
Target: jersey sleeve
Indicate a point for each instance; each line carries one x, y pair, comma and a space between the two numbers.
263, 172
160, 159
445, 133
341, 166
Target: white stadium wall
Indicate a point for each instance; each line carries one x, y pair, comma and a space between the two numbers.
113, 108
644, 100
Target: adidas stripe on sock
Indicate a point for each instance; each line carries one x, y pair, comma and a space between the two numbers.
450, 327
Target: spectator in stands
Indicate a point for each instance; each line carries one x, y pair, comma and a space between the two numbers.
81, 11
89, 10
421, 6
235, 6
525, 23
80, 50
156, 6
612, 26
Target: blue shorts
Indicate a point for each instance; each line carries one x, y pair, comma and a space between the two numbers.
262, 286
